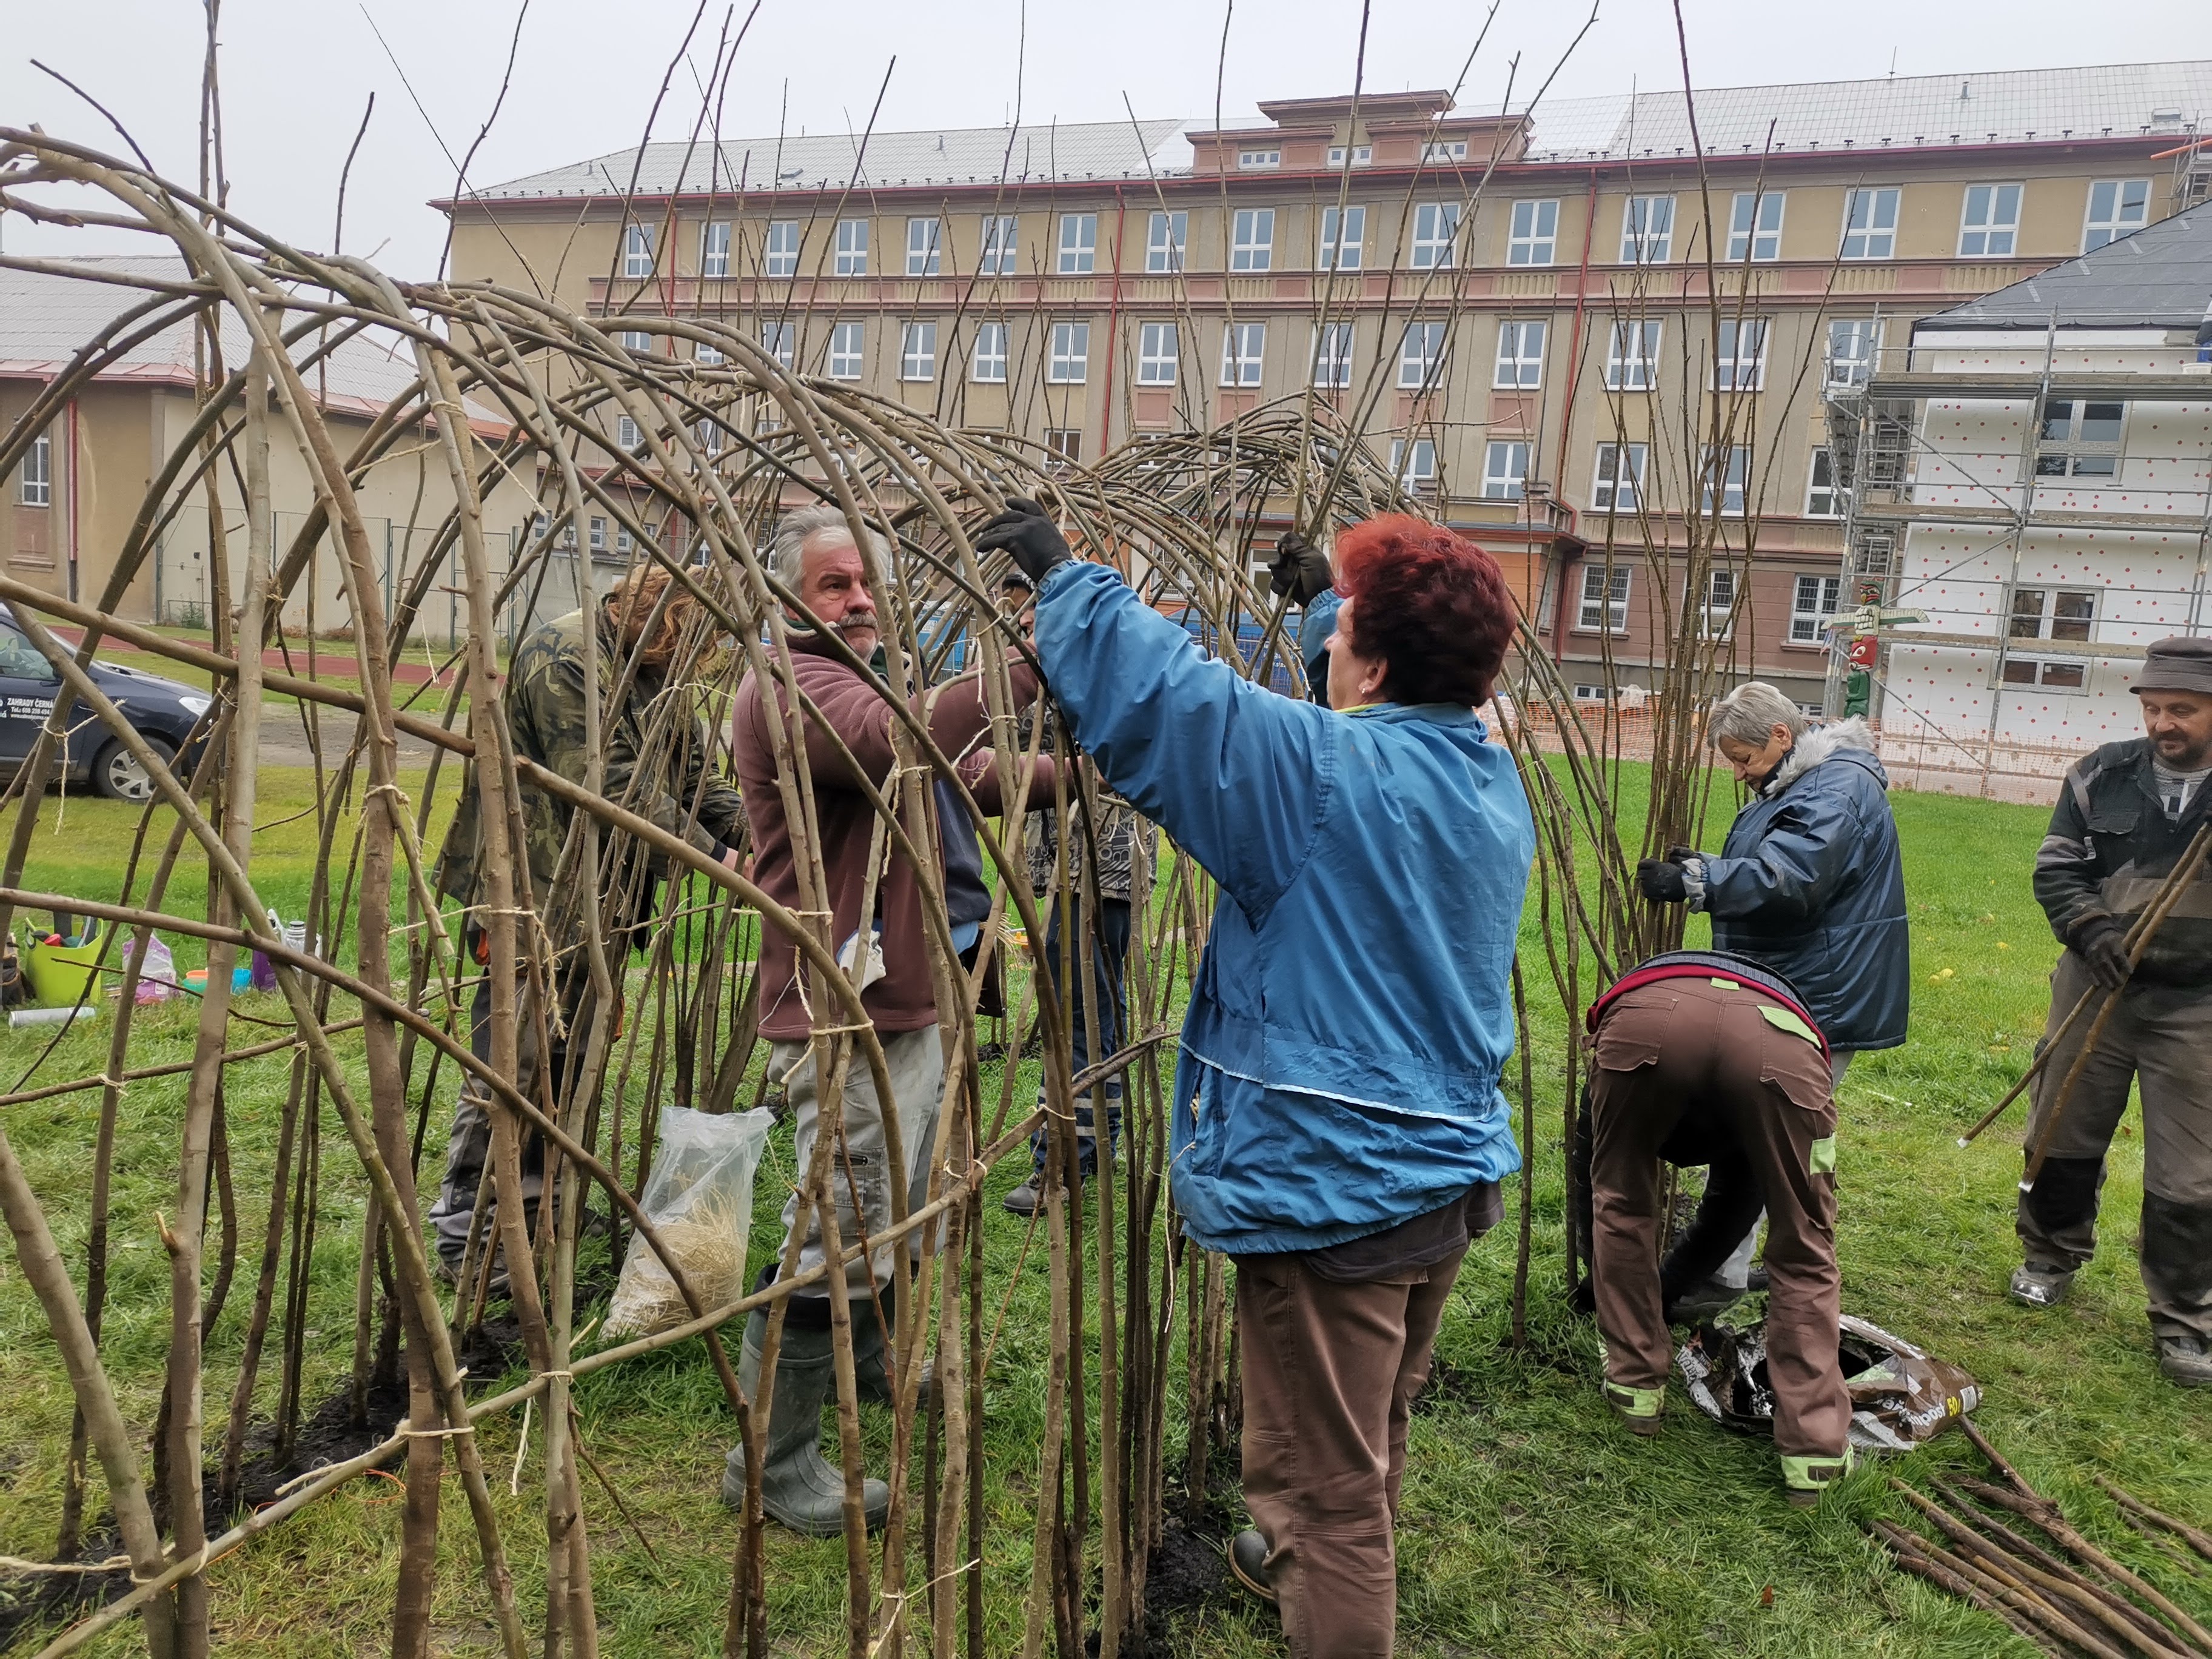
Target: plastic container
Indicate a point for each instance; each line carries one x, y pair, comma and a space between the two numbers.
62, 972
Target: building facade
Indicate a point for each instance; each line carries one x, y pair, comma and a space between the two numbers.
1589, 346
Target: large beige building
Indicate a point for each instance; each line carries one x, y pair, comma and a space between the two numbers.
1561, 324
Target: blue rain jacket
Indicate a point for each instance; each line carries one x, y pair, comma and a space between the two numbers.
1811, 883
1353, 1010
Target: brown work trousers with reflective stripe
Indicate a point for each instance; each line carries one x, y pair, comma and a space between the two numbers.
1661, 1049
2159, 1036
1330, 1373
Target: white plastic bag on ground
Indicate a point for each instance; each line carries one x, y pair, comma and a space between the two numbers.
700, 1200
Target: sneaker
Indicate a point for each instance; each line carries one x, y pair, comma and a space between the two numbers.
1707, 1299
1026, 1199
2037, 1284
2185, 1360
1247, 1565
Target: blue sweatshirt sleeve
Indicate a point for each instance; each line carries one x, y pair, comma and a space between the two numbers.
1239, 776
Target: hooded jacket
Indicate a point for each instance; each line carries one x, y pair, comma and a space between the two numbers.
1811, 883
1342, 1046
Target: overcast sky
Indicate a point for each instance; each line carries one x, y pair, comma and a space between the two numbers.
297, 74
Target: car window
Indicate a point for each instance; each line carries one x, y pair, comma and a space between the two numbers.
20, 659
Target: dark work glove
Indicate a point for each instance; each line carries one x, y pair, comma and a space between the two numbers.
1662, 882
1301, 569
2102, 942
1024, 530
1682, 855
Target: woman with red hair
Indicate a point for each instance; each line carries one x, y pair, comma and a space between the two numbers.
1338, 1125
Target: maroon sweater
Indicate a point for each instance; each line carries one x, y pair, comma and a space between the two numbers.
902, 1000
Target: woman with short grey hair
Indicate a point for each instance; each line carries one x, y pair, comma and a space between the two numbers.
1810, 884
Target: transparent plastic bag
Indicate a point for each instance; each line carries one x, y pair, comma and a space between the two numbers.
700, 1200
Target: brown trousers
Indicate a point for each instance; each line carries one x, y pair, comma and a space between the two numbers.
1330, 1373
1663, 1050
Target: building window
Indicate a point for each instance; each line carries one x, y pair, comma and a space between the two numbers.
1157, 354
710, 438
1740, 355
918, 351
1259, 158
1361, 155
1242, 347
988, 366
779, 340
707, 357
1605, 596
1414, 463
848, 347
1755, 226
628, 439
1534, 235
1647, 230
2051, 613
1812, 605
1443, 151
1852, 342
1520, 355
1164, 241
621, 538
637, 251
852, 248
1436, 228
1620, 478
1728, 469
1505, 471
2079, 440
1342, 234
2064, 675
1252, 244
1420, 357
780, 252
1000, 244
1991, 223
1716, 619
1078, 244
1631, 356
1870, 224
1070, 364
2117, 208
714, 249
1823, 498
1065, 443
1332, 366
598, 534
636, 340
925, 246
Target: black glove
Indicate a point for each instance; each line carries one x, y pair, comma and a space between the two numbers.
1301, 569
1024, 530
2102, 943
1682, 855
1662, 882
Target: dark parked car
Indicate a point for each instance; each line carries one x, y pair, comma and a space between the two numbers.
164, 712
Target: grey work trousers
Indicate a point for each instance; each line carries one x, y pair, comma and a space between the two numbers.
467, 1144
861, 1170
2159, 1036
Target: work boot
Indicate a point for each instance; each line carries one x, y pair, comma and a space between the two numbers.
800, 1487
1707, 1299
871, 1351
1247, 1565
1638, 1409
2185, 1359
1804, 1479
2040, 1285
1027, 1199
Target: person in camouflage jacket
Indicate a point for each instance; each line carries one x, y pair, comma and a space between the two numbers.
659, 769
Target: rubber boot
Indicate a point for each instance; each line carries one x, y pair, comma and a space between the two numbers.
872, 1350
800, 1487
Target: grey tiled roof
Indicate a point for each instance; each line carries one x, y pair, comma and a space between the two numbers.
1903, 111
2160, 277
947, 155
46, 318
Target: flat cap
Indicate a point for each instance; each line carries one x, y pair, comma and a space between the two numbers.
2179, 662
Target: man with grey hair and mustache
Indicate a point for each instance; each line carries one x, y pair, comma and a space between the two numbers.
848, 723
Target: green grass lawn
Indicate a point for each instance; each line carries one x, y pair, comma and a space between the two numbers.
1532, 1525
